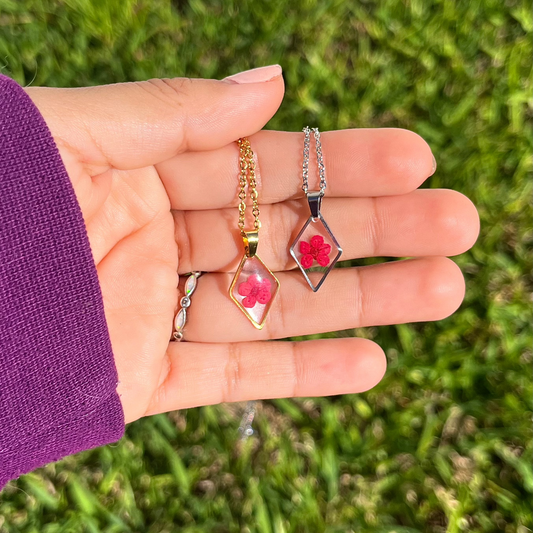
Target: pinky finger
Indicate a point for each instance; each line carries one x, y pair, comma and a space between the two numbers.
204, 374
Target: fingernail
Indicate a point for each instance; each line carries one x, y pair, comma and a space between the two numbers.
256, 75
434, 165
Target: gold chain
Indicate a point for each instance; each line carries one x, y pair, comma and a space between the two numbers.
247, 166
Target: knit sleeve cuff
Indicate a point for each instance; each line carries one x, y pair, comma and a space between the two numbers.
57, 372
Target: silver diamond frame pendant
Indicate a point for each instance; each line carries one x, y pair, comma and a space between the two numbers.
315, 244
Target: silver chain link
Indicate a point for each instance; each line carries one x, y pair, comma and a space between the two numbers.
319, 159
305, 165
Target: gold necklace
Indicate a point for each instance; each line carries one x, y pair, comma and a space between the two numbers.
254, 286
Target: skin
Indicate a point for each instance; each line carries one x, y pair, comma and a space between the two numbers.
154, 166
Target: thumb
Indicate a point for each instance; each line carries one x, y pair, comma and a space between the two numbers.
136, 124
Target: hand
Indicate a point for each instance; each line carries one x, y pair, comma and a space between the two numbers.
155, 169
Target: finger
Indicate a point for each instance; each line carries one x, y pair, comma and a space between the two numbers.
204, 374
133, 125
392, 293
360, 162
422, 223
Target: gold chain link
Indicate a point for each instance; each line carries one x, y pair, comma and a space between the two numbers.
247, 168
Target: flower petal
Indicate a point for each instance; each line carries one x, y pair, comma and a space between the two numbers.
326, 249
263, 296
307, 261
249, 301
317, 241
265, 284
245, 288
322, 260
254, 280
305, 247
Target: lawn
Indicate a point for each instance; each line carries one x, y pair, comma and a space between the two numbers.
444, 443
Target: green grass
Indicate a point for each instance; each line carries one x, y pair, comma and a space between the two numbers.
444, 443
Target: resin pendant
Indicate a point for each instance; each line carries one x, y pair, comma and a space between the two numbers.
254, 286
315, 249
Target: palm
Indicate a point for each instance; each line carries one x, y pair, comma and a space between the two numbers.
131, 232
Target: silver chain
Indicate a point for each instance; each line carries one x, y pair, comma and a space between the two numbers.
319, 159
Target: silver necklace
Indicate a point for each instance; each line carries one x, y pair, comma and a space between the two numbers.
315, 249
319, 159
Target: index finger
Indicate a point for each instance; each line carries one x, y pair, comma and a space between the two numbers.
359, 163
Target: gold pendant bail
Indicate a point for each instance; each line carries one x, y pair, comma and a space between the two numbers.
251, 240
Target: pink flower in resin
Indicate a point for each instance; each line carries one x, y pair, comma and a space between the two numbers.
313, 250
255, 290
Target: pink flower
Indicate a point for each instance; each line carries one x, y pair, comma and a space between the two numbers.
314, 249
255, 290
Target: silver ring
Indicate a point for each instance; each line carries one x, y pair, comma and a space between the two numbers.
181, 316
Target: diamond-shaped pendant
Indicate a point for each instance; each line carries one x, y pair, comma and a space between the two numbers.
253, 289
316, 251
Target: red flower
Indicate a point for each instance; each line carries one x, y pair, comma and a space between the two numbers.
255, 290
314, 249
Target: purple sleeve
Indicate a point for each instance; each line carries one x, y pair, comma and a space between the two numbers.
57, 373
